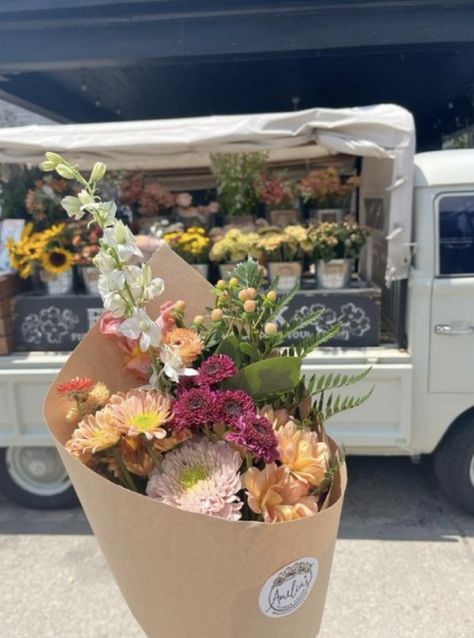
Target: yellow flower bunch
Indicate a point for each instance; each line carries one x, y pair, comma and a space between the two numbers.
284, 245
42, 249
236, 245
192, 244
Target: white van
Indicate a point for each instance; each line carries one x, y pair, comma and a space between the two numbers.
423, 258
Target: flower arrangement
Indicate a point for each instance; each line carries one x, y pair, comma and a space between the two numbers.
192, 245
337, 240
47, 250
223, 422
276, 191
84, 242
325, 188
236, 176
284, 245
146, 194
187, 211
236, 245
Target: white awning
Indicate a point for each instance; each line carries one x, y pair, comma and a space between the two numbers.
380, 131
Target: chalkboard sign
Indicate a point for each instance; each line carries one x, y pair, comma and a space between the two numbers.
358, 314
53, 323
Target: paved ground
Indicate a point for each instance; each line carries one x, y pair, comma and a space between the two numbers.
404, 566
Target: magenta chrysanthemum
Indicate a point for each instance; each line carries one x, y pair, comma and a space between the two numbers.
215, 369
193, 408
202, 477
256, 436
231, 405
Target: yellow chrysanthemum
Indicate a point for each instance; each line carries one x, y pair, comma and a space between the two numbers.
57, 260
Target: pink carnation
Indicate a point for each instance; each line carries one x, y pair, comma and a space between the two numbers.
193, 408
231, 405
255, 435
215, 369
201, 477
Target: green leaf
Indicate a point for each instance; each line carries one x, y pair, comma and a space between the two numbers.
250, 350
298, 323
267, 377
335, 404
231, 347
330, 381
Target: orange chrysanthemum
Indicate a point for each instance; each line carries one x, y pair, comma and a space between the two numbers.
96, 432
76, 386
188, 342
276, 495
141, 412
306, 457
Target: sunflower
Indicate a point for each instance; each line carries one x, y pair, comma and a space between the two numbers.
57, 260
52, 233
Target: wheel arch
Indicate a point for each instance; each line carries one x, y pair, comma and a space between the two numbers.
459, 422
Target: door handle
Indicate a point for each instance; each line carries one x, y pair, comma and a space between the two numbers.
451, 331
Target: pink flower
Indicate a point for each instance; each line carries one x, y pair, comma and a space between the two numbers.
109, 325
201, 477
193, 408
256, 436
166, 320
215, 369
233, 404
184, 199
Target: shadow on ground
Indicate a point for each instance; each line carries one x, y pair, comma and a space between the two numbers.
387, 499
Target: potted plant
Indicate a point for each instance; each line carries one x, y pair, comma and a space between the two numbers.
283, 251
334, 247
45, 254
236, 175
231, 247
327, 193
146, 197
192, 245
277, 193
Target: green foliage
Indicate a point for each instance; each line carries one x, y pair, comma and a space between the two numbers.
326, 407
331, 381
267, 377
248, 273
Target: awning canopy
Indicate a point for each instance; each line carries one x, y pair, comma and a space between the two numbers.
385, 132
375, 131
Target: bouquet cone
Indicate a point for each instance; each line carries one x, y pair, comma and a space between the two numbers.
187, 575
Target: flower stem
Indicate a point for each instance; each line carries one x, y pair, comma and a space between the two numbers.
123, 470
149, 448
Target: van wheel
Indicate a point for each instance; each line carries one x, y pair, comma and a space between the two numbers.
35, 477
454, 466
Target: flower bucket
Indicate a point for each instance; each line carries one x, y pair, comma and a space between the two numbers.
202, 269
331, 215
60, 284
283, 217
333, 274
90, 276
187, 575
289, 273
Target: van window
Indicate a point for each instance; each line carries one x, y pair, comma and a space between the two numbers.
456, 235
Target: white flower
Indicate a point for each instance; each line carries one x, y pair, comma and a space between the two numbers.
142, 284
72, 206
105, 212
173, 364
104, 261
141, 327
116, 304
85, 198
121, 238
111, 281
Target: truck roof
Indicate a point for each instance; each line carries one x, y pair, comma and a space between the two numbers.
444, 168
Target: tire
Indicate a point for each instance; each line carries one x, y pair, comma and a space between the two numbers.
454, 465
35, 477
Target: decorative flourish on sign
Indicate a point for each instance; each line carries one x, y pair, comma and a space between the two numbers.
49, 324
286, 591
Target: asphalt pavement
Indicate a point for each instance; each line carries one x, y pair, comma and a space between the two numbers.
404, 566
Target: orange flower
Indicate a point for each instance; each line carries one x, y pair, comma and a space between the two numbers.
306, 458
276, 417
134, 455
187, 341
96, 432
141, 412
275, 494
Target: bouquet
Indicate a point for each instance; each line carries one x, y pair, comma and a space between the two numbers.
192, 245
337, 240
326, 189
212, 474
275, 191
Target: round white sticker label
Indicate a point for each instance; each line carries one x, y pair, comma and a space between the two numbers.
288, 588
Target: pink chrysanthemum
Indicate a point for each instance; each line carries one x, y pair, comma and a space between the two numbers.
215, 369
141, 412
256, 436
193, 408
202, 477
231, 405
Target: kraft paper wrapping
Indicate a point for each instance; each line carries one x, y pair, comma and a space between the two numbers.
186, 575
